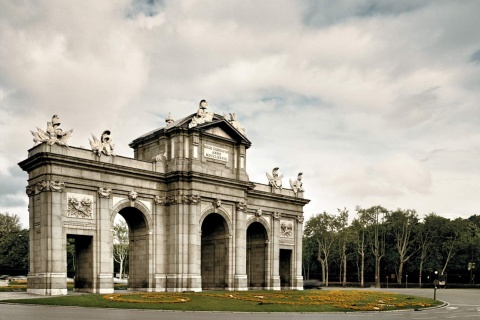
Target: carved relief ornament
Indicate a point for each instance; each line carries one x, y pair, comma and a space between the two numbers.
48, 185
286, 229
241, 206
104, 192
178, 199
277, 215
258, 213
79, 208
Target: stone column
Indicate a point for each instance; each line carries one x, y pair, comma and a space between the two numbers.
194, 282
49, 276
160, 244
298, 278
240, 278
275, 270
104, 243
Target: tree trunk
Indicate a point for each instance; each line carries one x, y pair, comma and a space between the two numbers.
400, 272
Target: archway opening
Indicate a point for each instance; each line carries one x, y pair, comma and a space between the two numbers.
285, 268
138, 248
80, 261
120, 250
215, 253
256, 256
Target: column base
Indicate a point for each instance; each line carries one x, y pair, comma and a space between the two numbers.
240, 282
47, 284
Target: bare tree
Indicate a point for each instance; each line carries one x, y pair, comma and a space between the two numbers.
375, 217
360, 226
426, 238
323, 228
402, 223
120, 245
344, 238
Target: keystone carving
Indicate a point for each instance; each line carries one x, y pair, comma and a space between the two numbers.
300, 219
132, 195
217, 203
277, 215
258, 213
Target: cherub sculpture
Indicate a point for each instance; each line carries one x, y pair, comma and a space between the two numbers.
54, 134
275, 180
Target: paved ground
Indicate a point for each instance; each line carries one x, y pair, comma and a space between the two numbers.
462, 304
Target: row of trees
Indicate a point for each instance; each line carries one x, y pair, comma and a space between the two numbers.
379, 244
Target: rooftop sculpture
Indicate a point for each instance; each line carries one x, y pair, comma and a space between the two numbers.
54, 134
104, 145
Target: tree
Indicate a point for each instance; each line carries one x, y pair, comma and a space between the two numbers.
427, 236
120, 245
344, 235
14, 243
375, 216
402, 223
360, 227
9, 223
455, 238
323, 228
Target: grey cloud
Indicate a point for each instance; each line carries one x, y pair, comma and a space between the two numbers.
326, 12
475, 57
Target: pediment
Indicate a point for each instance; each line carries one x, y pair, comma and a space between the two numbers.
217, 131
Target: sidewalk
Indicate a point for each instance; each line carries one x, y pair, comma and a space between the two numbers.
25, 295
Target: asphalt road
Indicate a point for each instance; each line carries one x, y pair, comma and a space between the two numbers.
461, 304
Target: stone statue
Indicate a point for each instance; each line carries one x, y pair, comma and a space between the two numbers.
104, 145
297, 185
275, 180
169, 119
236, 124
202, 115
54, 134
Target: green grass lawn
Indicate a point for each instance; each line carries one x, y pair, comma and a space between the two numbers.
246, 301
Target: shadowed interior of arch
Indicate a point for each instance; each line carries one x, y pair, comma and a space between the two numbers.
215, 253
138, 247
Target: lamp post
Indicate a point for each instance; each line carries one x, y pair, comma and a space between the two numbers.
435, 283
406, 281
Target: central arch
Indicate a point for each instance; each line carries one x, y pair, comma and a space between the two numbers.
214, 252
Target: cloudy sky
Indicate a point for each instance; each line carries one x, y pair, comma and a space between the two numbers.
377, 102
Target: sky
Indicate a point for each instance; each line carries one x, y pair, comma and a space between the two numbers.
377, 102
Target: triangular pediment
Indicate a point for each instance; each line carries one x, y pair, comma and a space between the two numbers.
217, 131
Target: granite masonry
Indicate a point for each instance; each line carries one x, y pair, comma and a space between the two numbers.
196, 221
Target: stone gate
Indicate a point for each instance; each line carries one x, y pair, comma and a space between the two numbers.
195, 220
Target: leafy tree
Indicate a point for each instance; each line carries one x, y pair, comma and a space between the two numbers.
455, 238
309, 256
120, 245
9, 223
13, 243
